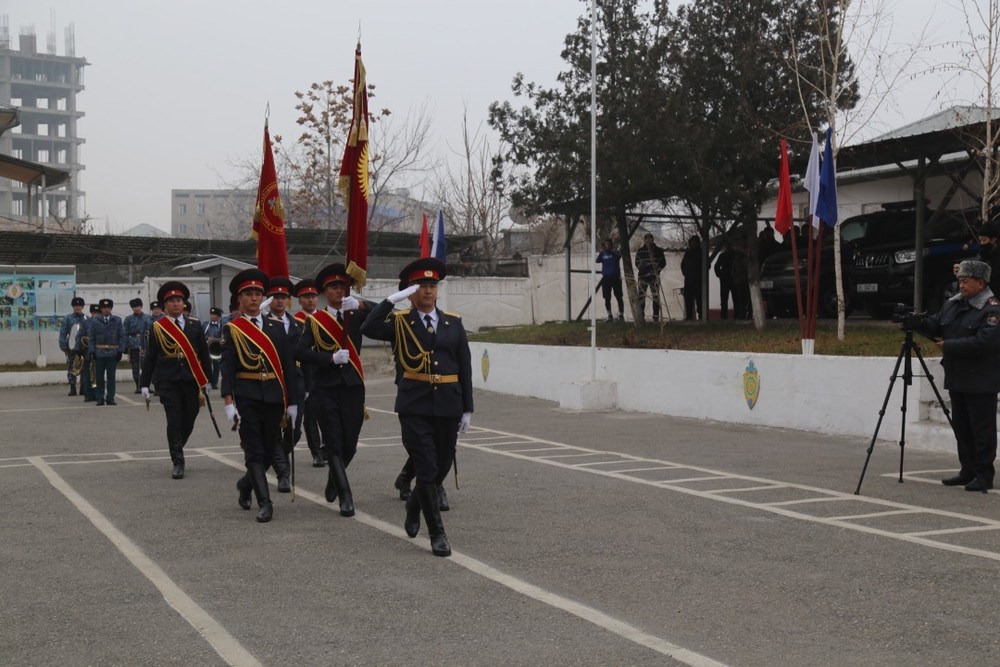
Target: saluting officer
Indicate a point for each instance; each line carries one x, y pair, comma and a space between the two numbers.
107, 345
258, 384
66, 342
434, 387
331, 344
137, 326
280, 292
177, 361
308, 295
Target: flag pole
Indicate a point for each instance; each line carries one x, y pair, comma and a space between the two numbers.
593, 183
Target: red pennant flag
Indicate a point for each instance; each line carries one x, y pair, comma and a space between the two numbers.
354, 178
425, 240
783, 213
269, 218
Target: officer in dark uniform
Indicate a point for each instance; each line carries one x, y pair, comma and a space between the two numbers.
258, 384
67, 343
88, 379
213, 333
107, 345
308, 295
434, 387
179, 379
331, 345
280, 292
968, 327
137, 327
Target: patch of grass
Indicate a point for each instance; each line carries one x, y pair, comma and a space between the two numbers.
862, 337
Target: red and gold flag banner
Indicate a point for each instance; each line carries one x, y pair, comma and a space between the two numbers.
269, 218
354, 178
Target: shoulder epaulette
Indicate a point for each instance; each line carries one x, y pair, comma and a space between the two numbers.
455, 315
993, 301
400, 313
194, 319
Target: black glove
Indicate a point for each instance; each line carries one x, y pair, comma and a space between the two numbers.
118, 357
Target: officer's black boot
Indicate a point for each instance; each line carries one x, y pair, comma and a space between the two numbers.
282, 469
427, 493
402, 485
177, 457
315, 443
341, 486
245, 486
330, 492
263, 492
72, 389
442, 499
411, 524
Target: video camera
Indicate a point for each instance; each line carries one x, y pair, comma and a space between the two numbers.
903, 314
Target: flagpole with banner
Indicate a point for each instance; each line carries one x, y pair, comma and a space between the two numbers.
439, 249
425, 241
811, 185
269, 218
783, 223
354, 183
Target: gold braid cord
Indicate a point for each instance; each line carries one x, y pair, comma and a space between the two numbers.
318, 339
249, 359
167, 344
411, 354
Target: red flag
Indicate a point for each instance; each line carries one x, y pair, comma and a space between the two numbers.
783, 213
354, 178
425, 241
269, 218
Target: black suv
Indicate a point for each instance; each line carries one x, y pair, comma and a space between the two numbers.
777, 274
883, 270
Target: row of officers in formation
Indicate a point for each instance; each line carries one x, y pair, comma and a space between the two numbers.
281, 373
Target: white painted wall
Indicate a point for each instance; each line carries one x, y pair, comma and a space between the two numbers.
833, 395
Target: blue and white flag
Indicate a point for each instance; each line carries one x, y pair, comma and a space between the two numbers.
440, 247
826, 205
812, 181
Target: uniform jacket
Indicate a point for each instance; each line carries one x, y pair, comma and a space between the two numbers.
213, 329
268, 391
108, 332
67, 325
310, 352
136, 327
449, 355
294, 332
649, 261
971, 333
158, 367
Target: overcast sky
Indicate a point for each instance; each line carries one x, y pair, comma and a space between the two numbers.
176, 91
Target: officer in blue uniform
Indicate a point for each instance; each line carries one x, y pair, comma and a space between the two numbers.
968, 329
213, 333
254, 395
107, 345
88, 379
137, 326
434, 387
70, 347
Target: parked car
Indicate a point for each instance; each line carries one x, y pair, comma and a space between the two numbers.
883, 273
777, 274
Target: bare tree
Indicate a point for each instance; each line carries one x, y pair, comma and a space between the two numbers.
470, 194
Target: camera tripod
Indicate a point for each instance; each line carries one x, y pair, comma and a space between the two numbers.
904, 359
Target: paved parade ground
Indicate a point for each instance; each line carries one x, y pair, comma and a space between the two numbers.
608, 538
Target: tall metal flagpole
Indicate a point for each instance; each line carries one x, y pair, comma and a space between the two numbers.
593, 183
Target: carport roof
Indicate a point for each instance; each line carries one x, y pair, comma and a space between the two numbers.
30, 173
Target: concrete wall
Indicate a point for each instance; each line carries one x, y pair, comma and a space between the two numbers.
834, 395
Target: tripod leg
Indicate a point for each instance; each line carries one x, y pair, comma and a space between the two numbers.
907, 379
881, 415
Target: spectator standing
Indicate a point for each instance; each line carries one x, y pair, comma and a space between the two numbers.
649, 261
691, 270
611, 278
724, 272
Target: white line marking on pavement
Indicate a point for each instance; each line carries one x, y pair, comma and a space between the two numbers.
589, 614
228, 648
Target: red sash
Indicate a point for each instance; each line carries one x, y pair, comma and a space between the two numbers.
328, 323
172, 331
301, 316
244, 326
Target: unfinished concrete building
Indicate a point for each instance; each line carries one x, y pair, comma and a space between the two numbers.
45, 87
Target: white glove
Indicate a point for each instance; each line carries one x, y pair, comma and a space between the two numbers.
341, 357
350, 303
293, 411
405, 294
466, 423
231, 413
145, 393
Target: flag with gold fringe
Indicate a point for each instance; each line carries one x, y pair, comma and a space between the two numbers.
354, 182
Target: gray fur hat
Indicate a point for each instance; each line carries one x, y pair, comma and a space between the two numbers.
972, 268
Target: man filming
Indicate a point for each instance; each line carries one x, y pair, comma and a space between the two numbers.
968, 333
